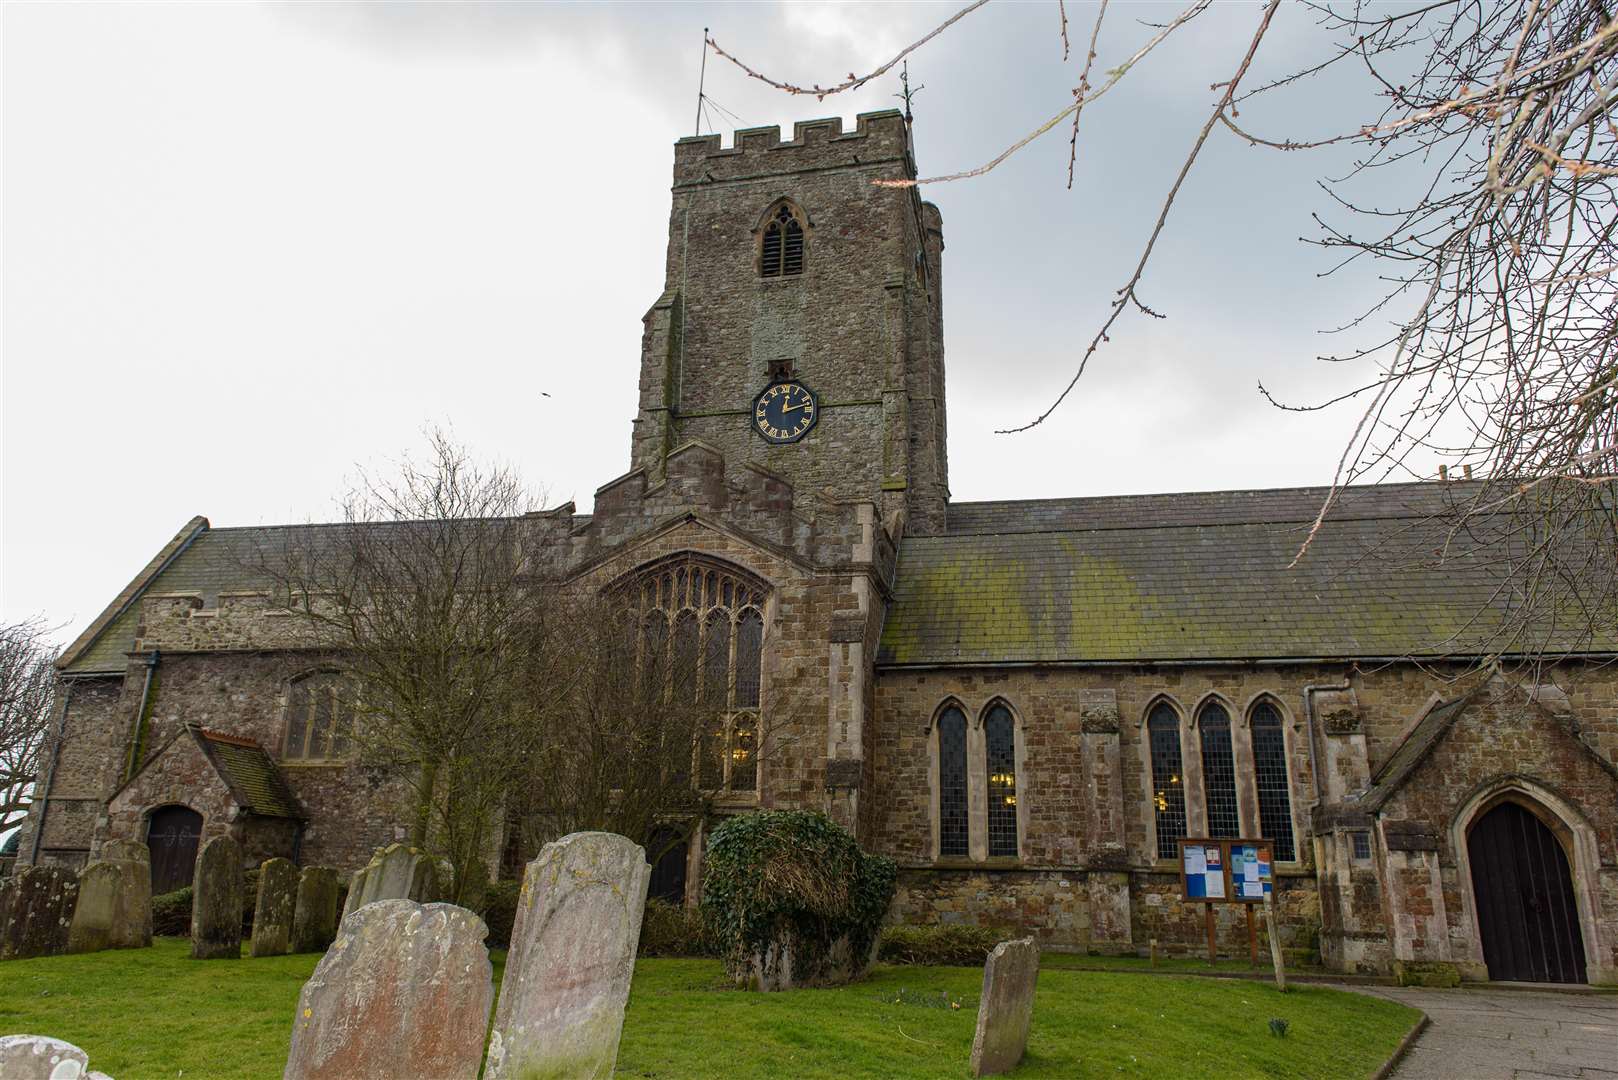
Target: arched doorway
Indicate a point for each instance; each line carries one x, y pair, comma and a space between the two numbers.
172, 835
668, 873
1528, 918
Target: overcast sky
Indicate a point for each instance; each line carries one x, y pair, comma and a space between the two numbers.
248, 247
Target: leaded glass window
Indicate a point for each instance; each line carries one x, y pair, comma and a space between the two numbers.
1000, 741
1270, 776
1168, 780
702, 637
781, 250
320, 718
952, 827
1218, 772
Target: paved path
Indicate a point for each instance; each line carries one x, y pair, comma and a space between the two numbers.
1510, 1034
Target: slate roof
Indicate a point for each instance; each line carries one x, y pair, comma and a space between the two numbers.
1413, 751
1198, 576
254, 780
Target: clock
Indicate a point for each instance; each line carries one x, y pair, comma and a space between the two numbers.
784, 412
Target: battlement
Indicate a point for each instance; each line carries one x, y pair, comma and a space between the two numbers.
877, 137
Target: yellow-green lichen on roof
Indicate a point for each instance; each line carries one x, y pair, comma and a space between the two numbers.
252, 777
1203, 576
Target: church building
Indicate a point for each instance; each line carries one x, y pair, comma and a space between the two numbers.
1027, 704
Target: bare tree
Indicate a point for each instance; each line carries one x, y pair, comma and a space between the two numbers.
1499, 262
27, 691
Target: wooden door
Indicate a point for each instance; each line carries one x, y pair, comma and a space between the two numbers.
668, 875
1527, 916
172, 836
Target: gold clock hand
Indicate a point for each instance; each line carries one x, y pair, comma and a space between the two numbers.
791, 408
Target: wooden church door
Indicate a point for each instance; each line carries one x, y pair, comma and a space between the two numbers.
1527, 916
172, 836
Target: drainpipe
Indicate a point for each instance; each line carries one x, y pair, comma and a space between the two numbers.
50, 773
140, 716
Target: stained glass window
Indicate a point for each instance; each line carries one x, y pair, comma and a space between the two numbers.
1218, 772
1000, 741
1270, 777
1168, 779
952, 827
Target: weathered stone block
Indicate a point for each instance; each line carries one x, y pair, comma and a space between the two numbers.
217, 892
1426, 973
403, 992
39, 912
396, 872
314, 918
1006, 1007
114, 909
572, 957
274, 908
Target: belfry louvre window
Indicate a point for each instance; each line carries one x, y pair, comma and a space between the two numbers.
782, 254
1219, 772
952, 827
1270, 777
1000, 742
1168, 780
320, 718
702, 637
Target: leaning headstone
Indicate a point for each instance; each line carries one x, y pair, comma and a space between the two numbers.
40, 912
216, 901
572, 956
314, 916
356, 890
114, 910
404, 992
1006, 1007
40, 1057
396, 872
273, 910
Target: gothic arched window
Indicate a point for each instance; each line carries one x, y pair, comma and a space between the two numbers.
781, 251
1000, 744
714, 655
952, 827
1270, 777
1168, 779
1218, 772
320, 717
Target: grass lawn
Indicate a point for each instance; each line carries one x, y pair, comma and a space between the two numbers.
156, 1013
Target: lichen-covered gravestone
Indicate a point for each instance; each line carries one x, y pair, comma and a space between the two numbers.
40, 1057
114, 910
396, 872
314, 917
217, 891
274, 907
1006, 1008
572, 956
403, 992
40, 912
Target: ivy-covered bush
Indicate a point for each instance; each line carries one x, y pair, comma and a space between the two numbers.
792, 900
500, 912
171, 913
675, 930
964, 946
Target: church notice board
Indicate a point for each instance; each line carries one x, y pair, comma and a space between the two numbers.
1225, 871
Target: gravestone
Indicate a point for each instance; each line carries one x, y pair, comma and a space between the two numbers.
1006, 1007
314, 918
114, 909
40, 1057
216, 901
39, 914
273, 911
572, 956
127, 851
396, 872
403, 992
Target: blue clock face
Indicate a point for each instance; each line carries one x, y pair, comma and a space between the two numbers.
785, 412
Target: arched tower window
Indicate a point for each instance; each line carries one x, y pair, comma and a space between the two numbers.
320, 717
781, 249
1218, 772
1168, 779
1000, 744
702, 638
952, 827
1270, 777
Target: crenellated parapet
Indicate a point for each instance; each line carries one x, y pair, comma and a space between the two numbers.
877, 137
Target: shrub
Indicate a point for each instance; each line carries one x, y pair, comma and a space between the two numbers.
963, 946
500, 912
171, 913
675, 930
797, 879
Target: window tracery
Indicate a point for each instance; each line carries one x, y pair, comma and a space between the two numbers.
319, 717
781, 249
